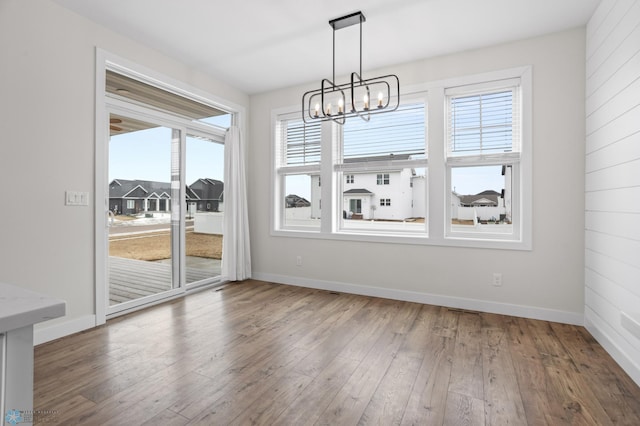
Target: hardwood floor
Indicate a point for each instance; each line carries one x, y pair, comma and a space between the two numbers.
261, 353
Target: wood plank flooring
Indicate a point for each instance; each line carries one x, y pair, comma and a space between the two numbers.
262, 353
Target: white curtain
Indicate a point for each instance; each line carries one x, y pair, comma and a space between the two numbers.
236, 256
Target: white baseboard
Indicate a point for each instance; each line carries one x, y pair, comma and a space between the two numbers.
627, 363
430, 299
45, 333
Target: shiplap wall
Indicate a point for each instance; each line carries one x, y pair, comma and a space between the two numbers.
612, 181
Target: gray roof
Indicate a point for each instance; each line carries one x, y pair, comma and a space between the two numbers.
358, 191
191, 195
119, 188
293, 200
485, 197
208, 189
202, 189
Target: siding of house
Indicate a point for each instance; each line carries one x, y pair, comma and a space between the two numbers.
398, 190
418, 184
612, 181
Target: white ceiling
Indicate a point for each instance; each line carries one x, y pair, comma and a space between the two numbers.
260, 45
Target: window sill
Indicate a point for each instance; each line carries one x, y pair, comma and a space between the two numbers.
409, 239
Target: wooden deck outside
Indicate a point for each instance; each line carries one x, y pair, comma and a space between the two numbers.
132, 279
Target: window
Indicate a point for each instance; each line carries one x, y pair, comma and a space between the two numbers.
387, 153
483, 155
298, 160
131, 204
474, 191
383, 179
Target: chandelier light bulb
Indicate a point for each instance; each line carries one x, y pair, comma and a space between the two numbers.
380, 97
366, 101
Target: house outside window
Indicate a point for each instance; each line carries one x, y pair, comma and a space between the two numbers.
385, 165
385, 201
350, 179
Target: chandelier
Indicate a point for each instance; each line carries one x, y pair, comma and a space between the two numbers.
359, 97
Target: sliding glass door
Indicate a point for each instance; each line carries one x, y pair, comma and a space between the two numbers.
165, 209
162, 176
143, 228
204, 170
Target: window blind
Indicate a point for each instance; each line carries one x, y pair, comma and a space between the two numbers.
485, 123
401, 133
302, 142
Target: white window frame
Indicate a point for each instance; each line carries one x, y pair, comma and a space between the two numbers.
509, 158
383, 170
437, 175
521, 239
282, 170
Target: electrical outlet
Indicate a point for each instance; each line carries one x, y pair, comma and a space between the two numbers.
497, 279
298, 260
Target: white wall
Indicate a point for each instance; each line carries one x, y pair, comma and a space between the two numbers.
612, 181
545, 282
47, 106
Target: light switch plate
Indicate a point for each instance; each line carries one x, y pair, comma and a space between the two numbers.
76, 198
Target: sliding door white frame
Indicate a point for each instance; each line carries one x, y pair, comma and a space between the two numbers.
105, 105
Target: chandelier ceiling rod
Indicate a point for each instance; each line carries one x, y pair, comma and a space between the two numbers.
343, 22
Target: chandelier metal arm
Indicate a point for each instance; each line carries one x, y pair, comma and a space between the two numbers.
327, 88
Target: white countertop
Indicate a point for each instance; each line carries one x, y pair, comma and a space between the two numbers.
20, 307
